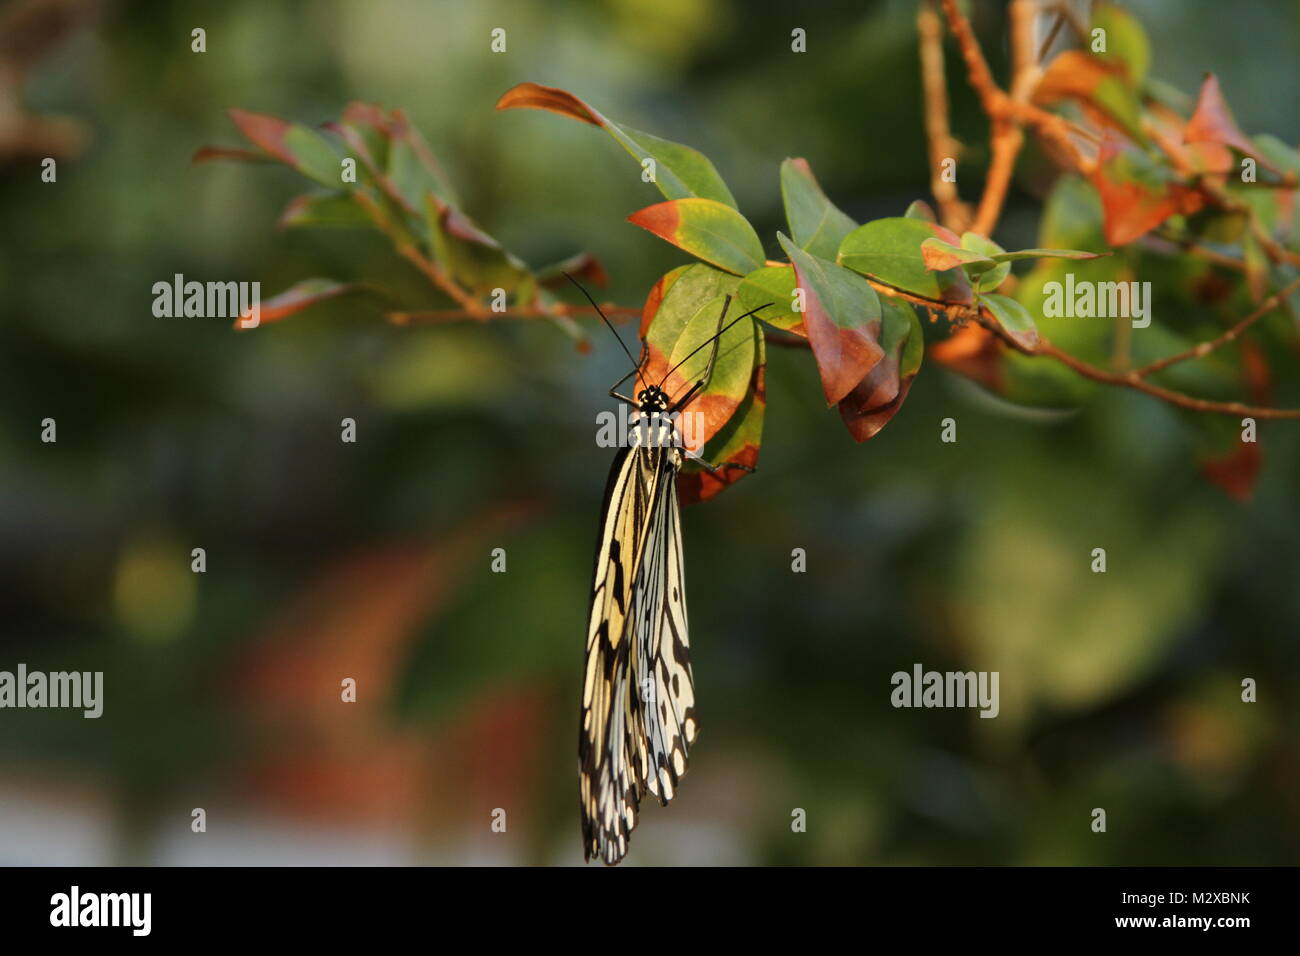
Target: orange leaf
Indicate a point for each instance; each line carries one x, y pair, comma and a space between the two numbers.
538, 97
1213, 122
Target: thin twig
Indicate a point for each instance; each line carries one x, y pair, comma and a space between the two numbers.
439, 277
1205, 348
514, 312
1130, 380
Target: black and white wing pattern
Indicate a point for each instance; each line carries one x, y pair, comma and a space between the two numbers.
638, 701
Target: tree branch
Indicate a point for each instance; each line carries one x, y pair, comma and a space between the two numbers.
954, 213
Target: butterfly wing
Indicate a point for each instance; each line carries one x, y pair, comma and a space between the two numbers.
611, 748
665, 689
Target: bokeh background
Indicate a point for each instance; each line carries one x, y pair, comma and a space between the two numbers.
371, 560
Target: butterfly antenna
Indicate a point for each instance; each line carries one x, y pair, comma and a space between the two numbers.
717, 335
623, 345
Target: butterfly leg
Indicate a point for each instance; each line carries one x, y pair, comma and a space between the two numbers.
614, 393
715, 469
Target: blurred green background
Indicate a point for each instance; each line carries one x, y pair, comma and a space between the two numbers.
372, 560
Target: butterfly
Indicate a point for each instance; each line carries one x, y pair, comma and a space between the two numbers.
638, 721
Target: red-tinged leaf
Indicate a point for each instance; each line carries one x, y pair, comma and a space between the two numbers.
973, 351
978, 259
265, 132
328, 209
1212, 121
534, 96
737, 443
715, 404
1135, 196
206, 154
685, 290
680, 171
709, 230
1168, 130
299, 296
939, 256
656, 297
584, 266
290, 143
392, 155
1075, 74
688, 316
842, 317
1236, 471
1256, 371
889, 250
878, 397
1208, 158
369, 145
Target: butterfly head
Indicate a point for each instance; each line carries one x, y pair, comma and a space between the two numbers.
652, 399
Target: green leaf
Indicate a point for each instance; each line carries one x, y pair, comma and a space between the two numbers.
841, 315
1279, 154
690, 286
992, 278
920, 209
475, 259
1013, 317
1126, 41
680, 172
707, 229
982, 256
313, 155
1046, 254
816, 224
412, 167
732, 369
774, 284
889, 250
324, 209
